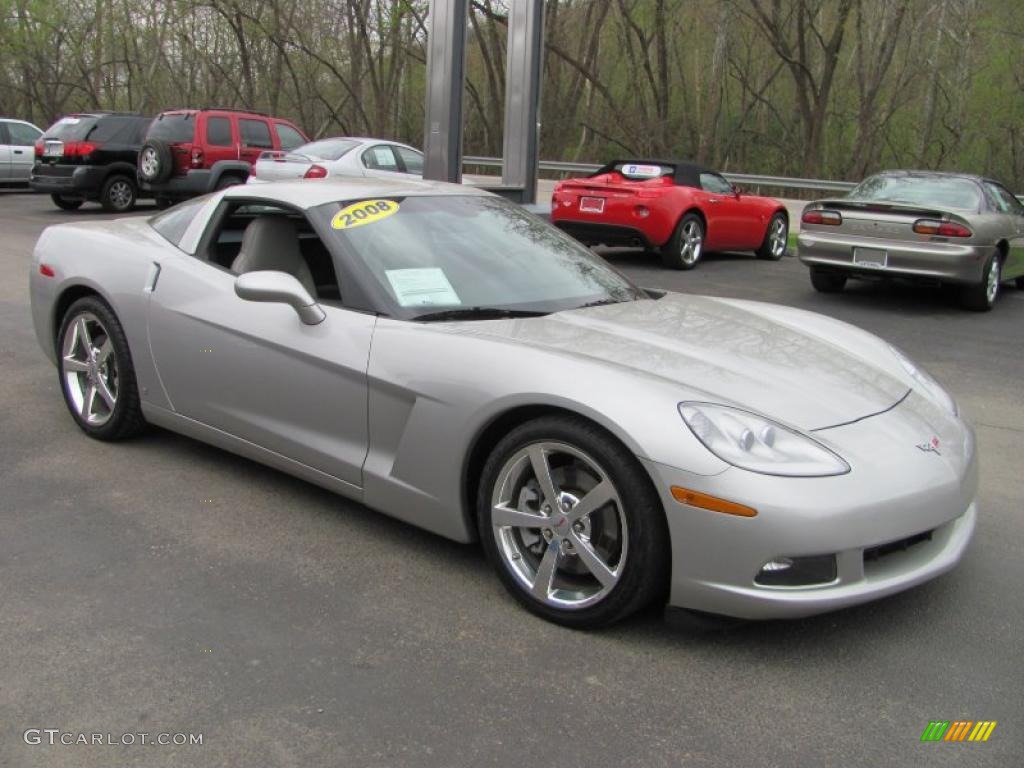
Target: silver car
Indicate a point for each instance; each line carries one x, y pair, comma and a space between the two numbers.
444, 357
17, 150
965, 231
340, 156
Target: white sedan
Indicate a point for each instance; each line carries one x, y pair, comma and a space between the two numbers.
340, 156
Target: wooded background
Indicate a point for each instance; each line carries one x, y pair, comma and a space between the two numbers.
815, 88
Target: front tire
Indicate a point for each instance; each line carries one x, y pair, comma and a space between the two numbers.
981, 297
66, 203
776, 239
96, 373
119, 194
827, 281
571, 524
684, 249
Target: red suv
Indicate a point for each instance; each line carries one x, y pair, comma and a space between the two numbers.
189, 152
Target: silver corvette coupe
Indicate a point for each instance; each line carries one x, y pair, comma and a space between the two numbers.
966, 232
442, 356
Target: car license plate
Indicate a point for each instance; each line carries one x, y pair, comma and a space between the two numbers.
871, 257
53, 149
592, 204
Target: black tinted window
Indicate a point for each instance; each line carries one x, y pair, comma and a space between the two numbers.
411, 159
173, 223
255, 133
71, 128
173, 128
218, 131
121, 130
288, 137
712, 182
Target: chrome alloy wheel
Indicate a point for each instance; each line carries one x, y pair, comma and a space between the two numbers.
777, 239
149, 163
89, 367
992, 286
120, 195
691, 243
557, 519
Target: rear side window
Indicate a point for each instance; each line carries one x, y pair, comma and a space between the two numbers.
288, 137
173, 223
411, 159
1004, 201
21, 134
218, 131
72, 128
121, 130
255, 133
380, 158
173, 128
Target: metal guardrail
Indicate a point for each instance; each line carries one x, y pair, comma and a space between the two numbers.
752, 180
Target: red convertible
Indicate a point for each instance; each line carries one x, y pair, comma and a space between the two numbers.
678, 208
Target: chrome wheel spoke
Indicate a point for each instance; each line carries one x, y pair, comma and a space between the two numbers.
73, 365
104, 353
545, 573
103, 388
596, 498
593, 561
542, 471
82, 334
89, 403
508, 516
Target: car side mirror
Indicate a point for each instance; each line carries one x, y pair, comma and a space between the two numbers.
737, 190
279, 288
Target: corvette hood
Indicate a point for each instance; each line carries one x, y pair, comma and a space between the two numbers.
795, 366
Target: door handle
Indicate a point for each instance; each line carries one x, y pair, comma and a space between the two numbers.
18, 152
714, 200
152, 277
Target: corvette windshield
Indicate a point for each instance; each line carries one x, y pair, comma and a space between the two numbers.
472, 253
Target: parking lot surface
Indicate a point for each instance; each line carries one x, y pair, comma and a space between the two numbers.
161, 585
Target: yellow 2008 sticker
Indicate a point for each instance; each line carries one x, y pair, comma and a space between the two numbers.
363, 212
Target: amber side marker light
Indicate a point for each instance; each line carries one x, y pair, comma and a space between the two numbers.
715, 504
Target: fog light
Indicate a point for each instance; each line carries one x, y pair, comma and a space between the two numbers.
797, 571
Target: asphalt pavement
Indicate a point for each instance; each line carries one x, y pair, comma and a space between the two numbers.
162, 586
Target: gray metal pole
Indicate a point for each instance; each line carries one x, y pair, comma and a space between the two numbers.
522, 96
446, 64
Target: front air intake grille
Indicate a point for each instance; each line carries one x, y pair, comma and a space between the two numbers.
901, 545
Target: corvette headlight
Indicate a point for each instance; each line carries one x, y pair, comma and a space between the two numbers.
935, 391
752, 442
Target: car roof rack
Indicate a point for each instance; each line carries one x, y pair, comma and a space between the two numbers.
235, 109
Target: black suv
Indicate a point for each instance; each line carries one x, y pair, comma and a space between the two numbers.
91, 157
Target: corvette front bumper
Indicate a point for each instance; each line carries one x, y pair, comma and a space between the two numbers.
892, 523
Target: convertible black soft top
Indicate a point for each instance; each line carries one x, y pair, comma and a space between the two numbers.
684, 174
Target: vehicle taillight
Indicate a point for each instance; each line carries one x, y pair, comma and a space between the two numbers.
39, 148
197, 157
829, 218
941, 228
315, 172
79, 148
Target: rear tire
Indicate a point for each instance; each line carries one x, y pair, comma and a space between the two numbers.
551, 569
67, 203
982, 296
96, 373
684, 249
1019, 282
119, 194
775, 238
827, 281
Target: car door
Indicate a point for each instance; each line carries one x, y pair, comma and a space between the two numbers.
254, 371
5, 154
255, 138
381, 162
727, 227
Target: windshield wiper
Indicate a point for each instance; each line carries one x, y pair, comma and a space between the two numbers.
476, 313
598, 303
